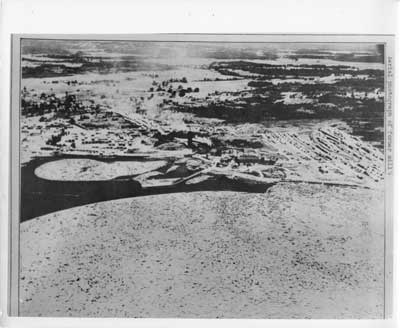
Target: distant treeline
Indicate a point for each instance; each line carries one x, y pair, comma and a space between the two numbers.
349, 57
311, 89
269, 71
54, 68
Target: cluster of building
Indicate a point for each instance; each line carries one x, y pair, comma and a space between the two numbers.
325, 154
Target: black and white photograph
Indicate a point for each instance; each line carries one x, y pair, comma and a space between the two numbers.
190, 177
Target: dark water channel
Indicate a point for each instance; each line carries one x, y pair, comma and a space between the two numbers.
40, 196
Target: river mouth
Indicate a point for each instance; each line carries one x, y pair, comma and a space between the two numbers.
41, 196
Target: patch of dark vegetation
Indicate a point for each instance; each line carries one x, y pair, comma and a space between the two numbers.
329, 106
244, 143
63, 106
268, 71
354, 99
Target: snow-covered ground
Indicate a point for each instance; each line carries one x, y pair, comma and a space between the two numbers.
77, 169
297, 251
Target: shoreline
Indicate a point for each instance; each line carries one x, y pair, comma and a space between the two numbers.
41, 196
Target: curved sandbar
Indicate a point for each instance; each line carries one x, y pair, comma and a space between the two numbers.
84, 169
298, 250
